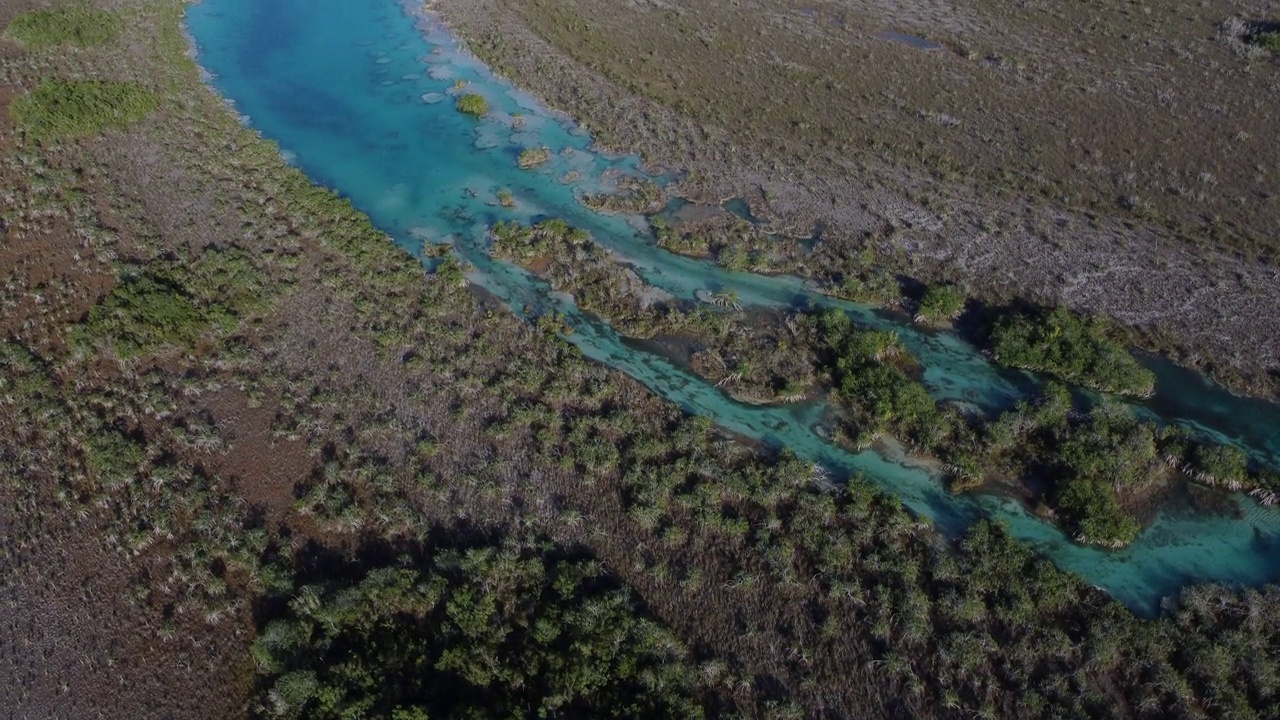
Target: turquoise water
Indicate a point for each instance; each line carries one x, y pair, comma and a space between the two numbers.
357, 94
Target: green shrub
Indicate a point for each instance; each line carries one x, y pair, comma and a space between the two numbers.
1221, 464
872, 386
734, 257
514, 241
940, 304
112, 456
146, 313
81, 27
451, 272
484, 632
1093, 511
1090, 460
874, 286
1077, 350
473, 104
81, 108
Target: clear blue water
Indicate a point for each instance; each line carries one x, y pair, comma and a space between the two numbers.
357, 95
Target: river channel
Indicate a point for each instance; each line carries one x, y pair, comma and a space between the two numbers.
358, 95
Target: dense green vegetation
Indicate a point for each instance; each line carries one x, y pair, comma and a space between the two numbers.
573, 262
81, 26
472, 104
168, 307
515, 241
1085, 460
1097, 469
734, 243
858, 276
144, 313
508, 631
1076, 349
871, 371
81, 108
940, 304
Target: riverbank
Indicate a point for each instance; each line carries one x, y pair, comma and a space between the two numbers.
1205, 297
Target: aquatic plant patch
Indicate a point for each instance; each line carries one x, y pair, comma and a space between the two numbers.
473, 104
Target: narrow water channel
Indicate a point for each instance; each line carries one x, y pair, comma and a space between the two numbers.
358, 96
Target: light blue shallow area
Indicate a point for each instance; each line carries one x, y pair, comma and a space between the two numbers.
358, 95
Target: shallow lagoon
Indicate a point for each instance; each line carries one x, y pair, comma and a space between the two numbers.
360, 97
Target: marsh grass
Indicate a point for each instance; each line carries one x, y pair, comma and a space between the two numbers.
146, 313
79, 26
62, 109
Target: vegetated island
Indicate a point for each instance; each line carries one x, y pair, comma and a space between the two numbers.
255, 462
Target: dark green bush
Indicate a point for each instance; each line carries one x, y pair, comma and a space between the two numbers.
486, 632
1083, 460
1077, 350
146, 313
1269, 41
940, 304
1221, 465
872, 386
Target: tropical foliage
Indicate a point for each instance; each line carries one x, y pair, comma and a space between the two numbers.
1073, 348
488, 631
145, 313
871, 372
940, 304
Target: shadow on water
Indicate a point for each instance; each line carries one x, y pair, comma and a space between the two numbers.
333, 97
1192, 400
740, 208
